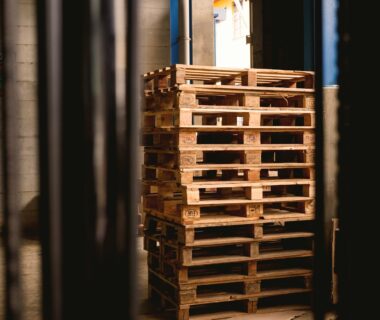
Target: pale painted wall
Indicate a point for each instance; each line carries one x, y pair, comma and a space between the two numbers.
203, 32
155, 35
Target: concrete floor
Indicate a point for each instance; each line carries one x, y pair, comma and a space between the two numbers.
32, 298
30, 269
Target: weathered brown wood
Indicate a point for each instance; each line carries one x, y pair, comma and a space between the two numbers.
245, 77
228, 186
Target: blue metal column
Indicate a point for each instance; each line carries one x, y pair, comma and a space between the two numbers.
330, 41
174, 32
191, 30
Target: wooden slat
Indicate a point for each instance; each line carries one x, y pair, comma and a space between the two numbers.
219, 220
233, 166
283, 273
227, 184
225, 89
200, 167
221, 241
215, 279
202, 261
237, 147
237, 240
281, 292
287, 235
243, 200
285, 254
201, 128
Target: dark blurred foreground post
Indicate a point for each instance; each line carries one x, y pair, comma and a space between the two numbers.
9, 152
88, 151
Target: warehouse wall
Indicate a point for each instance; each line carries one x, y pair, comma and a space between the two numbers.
155, 35
27, 82
203, 33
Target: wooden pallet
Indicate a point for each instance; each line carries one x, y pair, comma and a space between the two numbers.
200, 235
228, 187
280, 264
188, 157
180, 74
284, 208
221, 306
216, 311
233, 192
196, 96
216, 234
161, 138
231, 172
228, 118
196, 294
239, 249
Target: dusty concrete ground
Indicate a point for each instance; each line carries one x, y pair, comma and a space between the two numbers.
30, 269
32, 298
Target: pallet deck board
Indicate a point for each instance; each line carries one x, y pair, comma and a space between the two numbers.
219, 241
268, 182
233, 166
283, 273
288, 235
227, 128
204, 108
285, 254
228, 89
246, 201
201, 261
230, 147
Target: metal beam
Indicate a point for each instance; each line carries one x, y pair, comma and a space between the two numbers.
88, 115
184, 31
321, 292
49, 110
131, 163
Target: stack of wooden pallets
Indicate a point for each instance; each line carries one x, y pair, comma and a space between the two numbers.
228, 189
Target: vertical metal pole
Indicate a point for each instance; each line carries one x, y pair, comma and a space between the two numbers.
184, 31
174, 32
358, 268
321, 268
134, 96
330, 41
10, 160
89, 141
49, 97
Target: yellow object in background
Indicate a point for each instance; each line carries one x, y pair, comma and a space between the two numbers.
223, 4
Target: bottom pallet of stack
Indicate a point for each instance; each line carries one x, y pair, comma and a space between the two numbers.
228, 269
227, 300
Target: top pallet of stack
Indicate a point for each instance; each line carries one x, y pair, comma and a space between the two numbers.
179, 74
